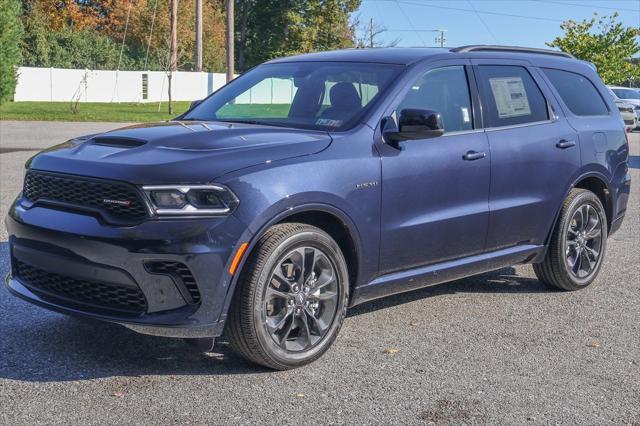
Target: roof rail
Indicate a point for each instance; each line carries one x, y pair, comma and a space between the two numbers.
517, 49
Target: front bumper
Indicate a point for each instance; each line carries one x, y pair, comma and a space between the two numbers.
80, 249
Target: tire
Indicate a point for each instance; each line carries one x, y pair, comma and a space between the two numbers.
569, 263
282, 316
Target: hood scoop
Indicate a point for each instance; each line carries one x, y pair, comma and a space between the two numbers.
118, 142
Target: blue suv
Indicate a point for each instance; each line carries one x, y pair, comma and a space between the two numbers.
313, 183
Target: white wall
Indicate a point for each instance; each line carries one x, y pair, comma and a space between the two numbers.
65, 85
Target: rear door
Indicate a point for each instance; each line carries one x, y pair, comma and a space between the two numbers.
534, 152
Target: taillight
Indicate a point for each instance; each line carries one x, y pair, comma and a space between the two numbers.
626, 136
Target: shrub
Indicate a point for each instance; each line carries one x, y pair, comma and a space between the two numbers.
10, 33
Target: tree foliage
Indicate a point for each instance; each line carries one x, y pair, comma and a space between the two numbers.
66, 47
89, 33
605, 42
10, 32
271, 28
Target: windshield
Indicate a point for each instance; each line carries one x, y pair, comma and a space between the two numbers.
309, 95
626, 93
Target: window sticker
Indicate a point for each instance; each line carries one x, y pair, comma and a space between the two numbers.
465, 115
511, 98
328, 122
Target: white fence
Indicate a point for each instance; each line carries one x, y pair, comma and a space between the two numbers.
65, 85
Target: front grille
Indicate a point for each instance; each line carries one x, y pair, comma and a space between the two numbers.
628, 122
180, 274
57, 288
116, 201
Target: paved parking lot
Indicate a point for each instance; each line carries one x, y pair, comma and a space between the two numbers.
494, 348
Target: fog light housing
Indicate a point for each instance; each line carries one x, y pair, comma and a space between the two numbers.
195, 200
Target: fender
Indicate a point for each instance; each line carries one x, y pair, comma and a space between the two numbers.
283, 214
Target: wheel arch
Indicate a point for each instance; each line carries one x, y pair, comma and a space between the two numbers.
598, 185
595, 182
330, 219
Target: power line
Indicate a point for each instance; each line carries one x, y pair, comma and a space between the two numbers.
410, 23
484, 12
587, 5
153, 20
483, 22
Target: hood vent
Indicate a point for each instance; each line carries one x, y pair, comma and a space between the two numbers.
118, 142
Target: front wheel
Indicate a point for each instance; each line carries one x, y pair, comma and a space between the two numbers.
291, 298
578, 243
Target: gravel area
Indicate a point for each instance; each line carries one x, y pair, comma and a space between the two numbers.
493, 348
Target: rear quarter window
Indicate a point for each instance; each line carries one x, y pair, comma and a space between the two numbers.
577, 92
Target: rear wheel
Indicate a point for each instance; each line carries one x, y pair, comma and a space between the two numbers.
291, 298
578, 243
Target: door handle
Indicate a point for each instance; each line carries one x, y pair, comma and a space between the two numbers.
564, 144
473, 155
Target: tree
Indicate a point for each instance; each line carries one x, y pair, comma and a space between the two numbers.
58, 32
10, 33
368, 35
605, 42
141, 21
271, 28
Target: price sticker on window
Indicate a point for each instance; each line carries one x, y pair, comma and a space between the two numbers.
510, 96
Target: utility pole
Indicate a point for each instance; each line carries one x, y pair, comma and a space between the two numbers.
198, 54
230, 37
441, 39
173, 48
371, 33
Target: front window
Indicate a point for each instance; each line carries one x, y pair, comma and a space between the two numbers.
444, 90
308, 95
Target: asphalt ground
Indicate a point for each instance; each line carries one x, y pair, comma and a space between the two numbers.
493, 348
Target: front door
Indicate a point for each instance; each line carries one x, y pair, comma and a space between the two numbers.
435, 191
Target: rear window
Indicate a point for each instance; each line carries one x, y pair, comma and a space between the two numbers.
510, 96
577, 92
626, 93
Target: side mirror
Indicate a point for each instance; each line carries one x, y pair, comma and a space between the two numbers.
413, 124
195, 104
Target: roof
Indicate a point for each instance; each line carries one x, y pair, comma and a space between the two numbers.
386, 55
409, 55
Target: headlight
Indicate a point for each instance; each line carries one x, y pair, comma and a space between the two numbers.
208, 200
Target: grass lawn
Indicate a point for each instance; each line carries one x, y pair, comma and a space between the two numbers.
254, 111
139, 113
89, 111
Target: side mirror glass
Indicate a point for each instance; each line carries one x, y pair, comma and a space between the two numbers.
412, 124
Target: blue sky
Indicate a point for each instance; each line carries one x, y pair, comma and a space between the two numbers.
492, 22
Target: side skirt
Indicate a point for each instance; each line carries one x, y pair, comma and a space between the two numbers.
424, 276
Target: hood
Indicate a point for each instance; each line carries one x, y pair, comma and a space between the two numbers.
634, 102
177, 152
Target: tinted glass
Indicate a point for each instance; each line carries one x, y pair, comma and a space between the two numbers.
310, 95
510, 96
627, 93
446, 91
577, 93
